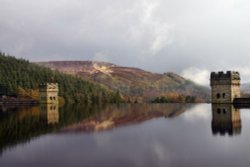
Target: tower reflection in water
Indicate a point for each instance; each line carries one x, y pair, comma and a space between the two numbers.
51, 111
225, 119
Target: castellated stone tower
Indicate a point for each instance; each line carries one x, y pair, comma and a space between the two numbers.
48, 93
225, 87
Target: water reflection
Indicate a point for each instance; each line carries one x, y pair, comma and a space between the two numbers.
142, 135
114, 116
18, 125
51, 112
225, 119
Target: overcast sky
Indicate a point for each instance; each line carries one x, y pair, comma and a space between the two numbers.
189, 37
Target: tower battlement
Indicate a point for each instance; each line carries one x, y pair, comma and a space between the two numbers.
231, 75
227, 78
48, 86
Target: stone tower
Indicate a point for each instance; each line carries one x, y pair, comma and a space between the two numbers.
48, 93
225, 87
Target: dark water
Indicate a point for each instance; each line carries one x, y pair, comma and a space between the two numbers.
125, 135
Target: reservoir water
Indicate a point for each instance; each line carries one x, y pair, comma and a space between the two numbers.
140, 135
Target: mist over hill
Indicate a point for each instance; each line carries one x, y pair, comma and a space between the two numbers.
245, 89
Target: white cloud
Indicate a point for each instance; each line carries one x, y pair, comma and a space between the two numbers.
200, 76
150, 33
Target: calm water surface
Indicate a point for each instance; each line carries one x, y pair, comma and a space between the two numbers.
126, 135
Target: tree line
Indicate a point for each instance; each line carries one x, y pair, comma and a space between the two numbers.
21, 78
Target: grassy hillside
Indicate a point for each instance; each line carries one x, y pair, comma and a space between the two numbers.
132, 82
21, 75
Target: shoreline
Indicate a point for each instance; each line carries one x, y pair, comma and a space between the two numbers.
18, 102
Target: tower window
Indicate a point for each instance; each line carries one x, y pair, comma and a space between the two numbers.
218, 110
218, 95
224, 95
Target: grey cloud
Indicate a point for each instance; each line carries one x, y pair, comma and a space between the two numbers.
157, 35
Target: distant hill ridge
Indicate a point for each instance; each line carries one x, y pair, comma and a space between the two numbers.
130, 81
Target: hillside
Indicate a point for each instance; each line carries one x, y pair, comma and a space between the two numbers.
132, 82
22, 78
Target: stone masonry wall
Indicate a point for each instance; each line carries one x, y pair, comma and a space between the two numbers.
225, 87
221, 94
48, 93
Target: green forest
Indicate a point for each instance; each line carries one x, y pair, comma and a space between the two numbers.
22, 78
